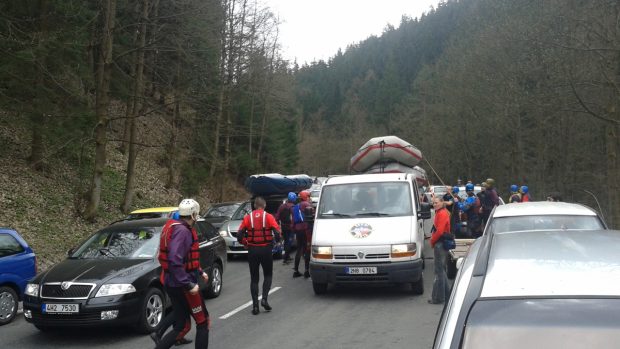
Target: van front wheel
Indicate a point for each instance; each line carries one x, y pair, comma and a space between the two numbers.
418, 286
319, 288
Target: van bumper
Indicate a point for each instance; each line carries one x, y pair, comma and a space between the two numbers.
394, 272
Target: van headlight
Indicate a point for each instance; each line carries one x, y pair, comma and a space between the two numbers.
115, 289
404, 250
32, 290
322, 252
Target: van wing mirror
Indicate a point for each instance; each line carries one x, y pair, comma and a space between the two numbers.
425, 211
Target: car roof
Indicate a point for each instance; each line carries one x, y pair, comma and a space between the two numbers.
537, 208
156, 210
553, 263
368, 178
228, 203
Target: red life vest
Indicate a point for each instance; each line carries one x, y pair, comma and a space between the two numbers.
258, 234
525, 198
192, 260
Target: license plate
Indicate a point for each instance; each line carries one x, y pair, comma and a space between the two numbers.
60, 308
360, 270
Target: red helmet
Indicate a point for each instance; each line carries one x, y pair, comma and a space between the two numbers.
304, 195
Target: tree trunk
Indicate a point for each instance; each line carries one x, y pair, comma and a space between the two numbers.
102, 87
138, 108
131, 99
38, 119
175, 115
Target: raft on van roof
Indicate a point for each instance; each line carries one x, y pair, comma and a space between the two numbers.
385, 149
275, 183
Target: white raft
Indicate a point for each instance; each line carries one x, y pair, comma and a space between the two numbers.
395, 167
385, 149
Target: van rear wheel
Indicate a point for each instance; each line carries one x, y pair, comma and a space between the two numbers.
319, 288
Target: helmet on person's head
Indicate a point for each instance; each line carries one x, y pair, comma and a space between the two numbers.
292, 197
304, 195
525, 189
490, 182
469, 187
514, 188
455, 190
189, 208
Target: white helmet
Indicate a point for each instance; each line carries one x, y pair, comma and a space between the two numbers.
189, 207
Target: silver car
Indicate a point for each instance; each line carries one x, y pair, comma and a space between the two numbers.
229, 229
542, 275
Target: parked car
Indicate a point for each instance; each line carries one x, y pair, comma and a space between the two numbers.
536, 288
113, 278
218, 213
229, 229
153, 212
18, 264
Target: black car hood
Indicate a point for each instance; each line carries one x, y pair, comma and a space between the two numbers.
94, 270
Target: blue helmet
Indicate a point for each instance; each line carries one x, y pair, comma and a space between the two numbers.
455, 190
525, 189
469, 187
514, 188
292, 197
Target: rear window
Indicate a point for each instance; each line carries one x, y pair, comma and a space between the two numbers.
366, 199
222, 210
9, 245
545, 222
543, 323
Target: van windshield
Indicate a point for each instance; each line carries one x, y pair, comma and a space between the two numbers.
375, 199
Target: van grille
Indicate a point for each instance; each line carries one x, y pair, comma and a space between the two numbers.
377, 256
368, 256
345, 256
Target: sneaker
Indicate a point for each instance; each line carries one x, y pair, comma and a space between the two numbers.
255, 310
296, 274
306, 274
155, 337
182, 341
265, 305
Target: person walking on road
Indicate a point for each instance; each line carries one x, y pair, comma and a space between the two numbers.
451, 201
490, 200
259, 231
285, 216
303, 233
179, 257
441, 226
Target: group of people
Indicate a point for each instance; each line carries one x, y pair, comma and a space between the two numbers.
450, 211
519, 194
180, 260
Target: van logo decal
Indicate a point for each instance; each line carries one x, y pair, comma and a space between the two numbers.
360, 255
361, 230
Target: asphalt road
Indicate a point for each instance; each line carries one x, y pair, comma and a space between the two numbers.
345, 317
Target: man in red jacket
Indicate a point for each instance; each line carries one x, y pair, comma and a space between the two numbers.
441, 226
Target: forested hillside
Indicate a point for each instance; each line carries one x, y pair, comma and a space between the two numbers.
526, 92
111, 105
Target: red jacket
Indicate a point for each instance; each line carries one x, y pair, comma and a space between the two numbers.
441, 225
257, 234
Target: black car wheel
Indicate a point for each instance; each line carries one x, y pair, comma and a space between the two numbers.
8, 304
319, 288
215, 286
418, 286
152, 310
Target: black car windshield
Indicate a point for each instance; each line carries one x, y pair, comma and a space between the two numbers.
225, 210
545, 222
106, 244
376, 199
241, 212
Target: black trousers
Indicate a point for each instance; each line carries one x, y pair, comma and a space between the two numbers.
260, 256
181, 311
302, 250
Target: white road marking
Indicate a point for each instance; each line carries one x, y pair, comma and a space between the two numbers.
240, 308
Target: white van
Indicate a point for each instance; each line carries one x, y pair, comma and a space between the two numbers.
369, 229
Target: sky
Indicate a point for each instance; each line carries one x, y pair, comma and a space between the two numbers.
316, 29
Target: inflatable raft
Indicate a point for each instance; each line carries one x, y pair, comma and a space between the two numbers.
395, 167
385, 149
275, 183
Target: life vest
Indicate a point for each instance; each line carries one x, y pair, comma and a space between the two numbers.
191, 260
258, 234
525, 198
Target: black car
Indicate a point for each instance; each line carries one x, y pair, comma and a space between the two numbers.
220, 212
113, 278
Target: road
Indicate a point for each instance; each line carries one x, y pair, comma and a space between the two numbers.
346, 317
